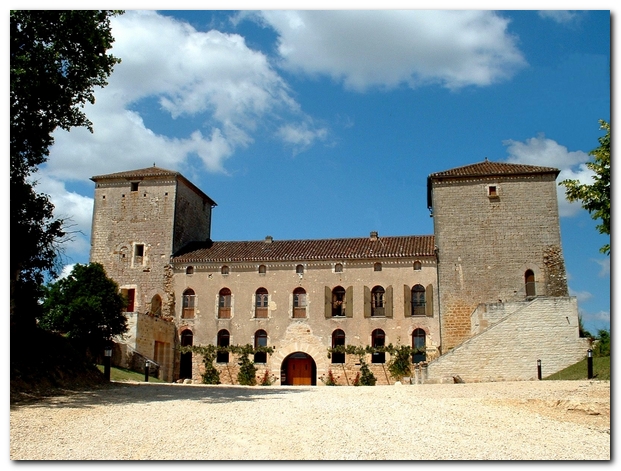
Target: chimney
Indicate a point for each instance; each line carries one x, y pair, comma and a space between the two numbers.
269, 239
373, 235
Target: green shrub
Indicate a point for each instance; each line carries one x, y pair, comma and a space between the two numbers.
247, 375
367, 378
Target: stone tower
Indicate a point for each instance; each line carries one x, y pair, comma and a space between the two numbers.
140, 218
497, 234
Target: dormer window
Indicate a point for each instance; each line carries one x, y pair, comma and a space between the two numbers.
493, 191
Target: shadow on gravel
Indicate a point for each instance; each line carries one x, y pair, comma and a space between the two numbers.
135, 393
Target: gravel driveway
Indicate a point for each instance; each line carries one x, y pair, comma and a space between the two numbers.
533, 420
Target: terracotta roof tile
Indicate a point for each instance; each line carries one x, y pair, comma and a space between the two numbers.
488, 168
139, 173
306, 250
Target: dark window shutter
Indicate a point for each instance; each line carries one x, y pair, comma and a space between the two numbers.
367, 301
429, 301
349, 301
407, 301
388, 302
328, 302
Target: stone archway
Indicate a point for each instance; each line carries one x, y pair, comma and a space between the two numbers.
298, 369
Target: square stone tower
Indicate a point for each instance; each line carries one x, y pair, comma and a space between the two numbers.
140, 218
497, 234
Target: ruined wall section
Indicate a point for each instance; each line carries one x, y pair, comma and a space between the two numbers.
192, 218
486, 244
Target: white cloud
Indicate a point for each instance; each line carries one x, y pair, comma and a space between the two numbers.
559, 16
604, 265
548, 153
224, 91
581, 296
387, 48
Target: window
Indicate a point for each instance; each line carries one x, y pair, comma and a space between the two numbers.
156, 306
529, 279
418, 344
377, 302
224, 270
189, 302
377, 266
224, 303
378, 339
338, 302
134, 186
138, 254
260, 340
418, 266
299, 269
338, 339
262, 269
338, 268
418, 300
189, 270
185, 360
299, 303
223, 341
260, 303
493, 191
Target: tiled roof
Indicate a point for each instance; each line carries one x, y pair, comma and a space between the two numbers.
140, 173
306, 250
488, 168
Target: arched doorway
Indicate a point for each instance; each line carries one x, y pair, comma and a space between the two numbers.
185, 362
298, 369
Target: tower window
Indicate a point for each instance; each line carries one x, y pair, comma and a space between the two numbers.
134, 186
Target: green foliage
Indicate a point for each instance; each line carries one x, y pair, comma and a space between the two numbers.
57, 58
602, 346
356, 381
367, 378
247, 372
400, 361
581, 330
124, 375
595, 197
86, 307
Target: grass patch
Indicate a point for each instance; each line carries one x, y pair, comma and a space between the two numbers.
121, 374
579, 371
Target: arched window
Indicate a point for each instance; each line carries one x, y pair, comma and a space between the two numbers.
529, 279
224, 303
260, 303
377, 266
260, 340
338, 268
156, 306
418, 344
418, 300
224, 339
189, 302
378, 339
224, 270
299, 269
418, 266
299, 303
377, 301
338, 302
338, 339
262, 269
189, 270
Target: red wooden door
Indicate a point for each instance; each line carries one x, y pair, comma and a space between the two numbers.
299, 371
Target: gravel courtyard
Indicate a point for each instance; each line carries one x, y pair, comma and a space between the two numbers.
534, 420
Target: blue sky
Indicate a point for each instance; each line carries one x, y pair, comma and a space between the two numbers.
322, 124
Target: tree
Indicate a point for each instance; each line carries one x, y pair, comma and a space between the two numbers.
57, 58
86, 307
595, 197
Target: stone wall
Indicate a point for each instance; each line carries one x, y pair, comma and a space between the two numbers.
544, 329
486, 244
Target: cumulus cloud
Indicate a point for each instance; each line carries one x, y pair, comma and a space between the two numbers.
546, 152
389, 48
178, 93
581, 296
604, 264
